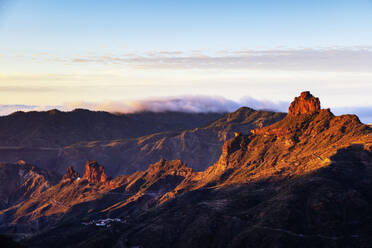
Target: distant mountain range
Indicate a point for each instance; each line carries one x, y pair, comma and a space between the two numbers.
55, 129
55, 140
297, 180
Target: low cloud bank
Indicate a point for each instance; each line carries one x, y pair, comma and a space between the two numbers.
190, 104
339, 59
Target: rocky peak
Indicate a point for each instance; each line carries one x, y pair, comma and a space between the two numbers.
95, 173
306, 103
70, 174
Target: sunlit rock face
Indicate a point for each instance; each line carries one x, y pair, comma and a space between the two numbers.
70, 174
95, 173
306, 103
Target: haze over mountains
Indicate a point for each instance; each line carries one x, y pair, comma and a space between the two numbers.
301, 179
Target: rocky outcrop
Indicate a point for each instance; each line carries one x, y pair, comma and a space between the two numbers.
141, 190
71, 174
300, 109
306, 103
95, 173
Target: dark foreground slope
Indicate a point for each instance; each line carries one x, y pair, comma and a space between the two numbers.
302, 182
7, 242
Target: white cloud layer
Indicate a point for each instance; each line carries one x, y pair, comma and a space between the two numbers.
194, 104
309, 59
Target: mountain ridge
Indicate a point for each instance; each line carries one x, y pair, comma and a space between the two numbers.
123, 156
56, 128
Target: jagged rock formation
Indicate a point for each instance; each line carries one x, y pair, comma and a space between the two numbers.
71, 174
95, 173
304, 104
96, 193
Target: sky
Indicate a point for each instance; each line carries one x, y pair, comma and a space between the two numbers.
189, 55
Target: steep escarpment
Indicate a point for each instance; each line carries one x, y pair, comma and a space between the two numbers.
293, 146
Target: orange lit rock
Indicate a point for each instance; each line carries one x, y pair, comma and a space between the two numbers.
304, 104
70, 174
95, 173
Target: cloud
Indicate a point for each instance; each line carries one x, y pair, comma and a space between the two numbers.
25, 89
281, 106
40, 82
320, 59
193, 104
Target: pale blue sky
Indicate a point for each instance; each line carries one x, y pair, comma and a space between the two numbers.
85, 25
67, 52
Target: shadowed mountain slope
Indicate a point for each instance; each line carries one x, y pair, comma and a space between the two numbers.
55, 129
198, 147
113, 139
